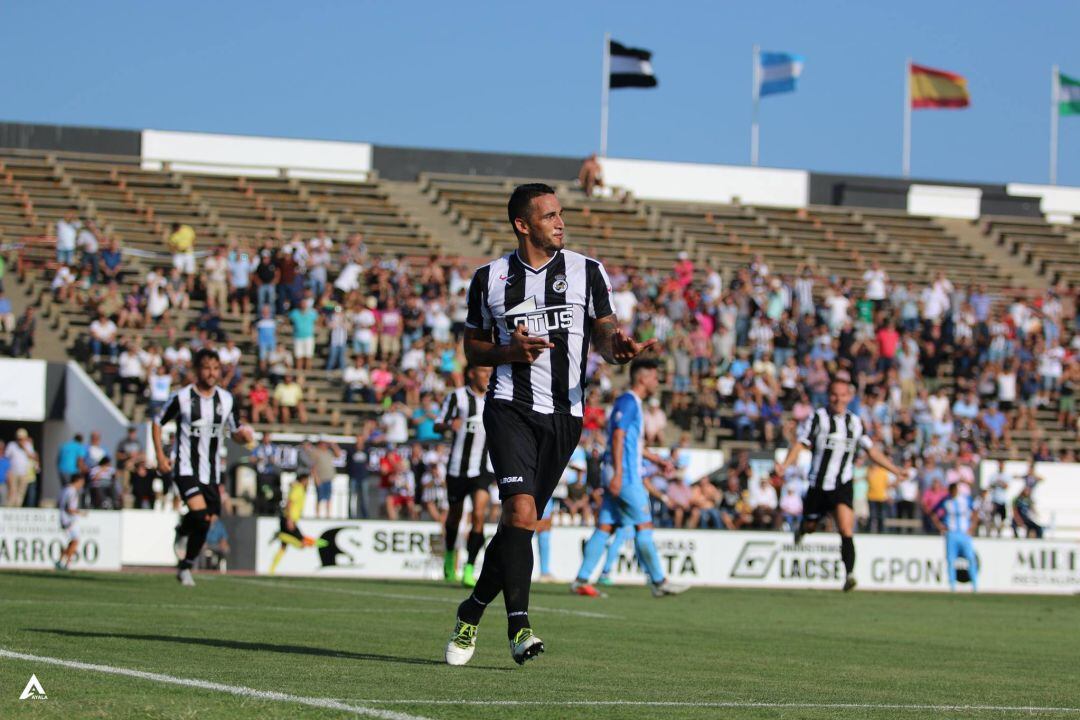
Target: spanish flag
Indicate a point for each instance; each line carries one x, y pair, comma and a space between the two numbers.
937, 89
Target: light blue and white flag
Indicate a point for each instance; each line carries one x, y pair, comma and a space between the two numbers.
778, 72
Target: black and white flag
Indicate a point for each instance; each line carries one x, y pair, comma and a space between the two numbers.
630, 67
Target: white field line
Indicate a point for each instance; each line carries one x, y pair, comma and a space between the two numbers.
237, 607
733, 704
238, 690
292, 585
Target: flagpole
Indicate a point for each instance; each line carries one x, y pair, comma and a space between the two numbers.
604, 93
755, 97
1055, 93
906, 160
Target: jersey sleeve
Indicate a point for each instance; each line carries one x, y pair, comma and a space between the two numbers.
479, 314
808, 431
599, 290
624, 413
170, 412
232, 418
866, 442
449, 409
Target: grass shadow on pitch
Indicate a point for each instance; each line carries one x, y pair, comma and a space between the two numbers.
254, 647
51, 575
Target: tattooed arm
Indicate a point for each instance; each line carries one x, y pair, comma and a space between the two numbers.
615, 346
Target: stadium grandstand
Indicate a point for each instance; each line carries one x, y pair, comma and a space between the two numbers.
959, 329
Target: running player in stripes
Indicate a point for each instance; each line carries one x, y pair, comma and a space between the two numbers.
532, 316
959, 525
626, 501
834, 436
205, 415
468, 472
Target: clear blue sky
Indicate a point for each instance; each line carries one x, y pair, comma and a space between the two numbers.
525, 77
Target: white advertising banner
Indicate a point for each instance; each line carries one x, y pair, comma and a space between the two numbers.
355, 548
382, 549
1056, 494
22, 397
31, 538
148, 537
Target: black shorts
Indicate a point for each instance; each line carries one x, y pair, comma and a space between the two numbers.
189, 486
458, 488
818, 503
295, 532
999, 511
529, 450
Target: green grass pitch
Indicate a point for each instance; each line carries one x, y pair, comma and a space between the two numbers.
376, 649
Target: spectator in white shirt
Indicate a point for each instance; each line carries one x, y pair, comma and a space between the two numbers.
395, 424
876, 281
132, 370
103, 337
88, 243
357, 381
67, 232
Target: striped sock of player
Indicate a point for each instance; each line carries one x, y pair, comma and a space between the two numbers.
646, 550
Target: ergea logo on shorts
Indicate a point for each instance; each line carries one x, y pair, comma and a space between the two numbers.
511, 479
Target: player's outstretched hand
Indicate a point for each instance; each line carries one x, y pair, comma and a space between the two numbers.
164, 465
624, 348
245, 435
524, 348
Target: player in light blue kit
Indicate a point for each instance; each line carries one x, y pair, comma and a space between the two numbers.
626, 501
958, 526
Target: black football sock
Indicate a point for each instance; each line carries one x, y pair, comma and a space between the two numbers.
847, 554
517, 563
473, 545
488, 586
198, 528
450, 531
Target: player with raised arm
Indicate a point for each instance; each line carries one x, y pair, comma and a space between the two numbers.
205, 415
833, 436
468, 470
626, 500
532, 315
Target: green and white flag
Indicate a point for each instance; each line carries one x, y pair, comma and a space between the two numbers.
1068, 95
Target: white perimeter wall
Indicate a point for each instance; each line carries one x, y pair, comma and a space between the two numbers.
692, 182
256, 156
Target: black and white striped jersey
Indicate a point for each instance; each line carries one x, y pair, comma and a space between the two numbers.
202, 424
833, 440
559, 302
469, 454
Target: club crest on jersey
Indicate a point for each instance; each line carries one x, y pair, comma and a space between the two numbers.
560, 285
539, 319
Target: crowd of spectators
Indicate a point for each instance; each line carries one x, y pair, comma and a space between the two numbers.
945, 374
